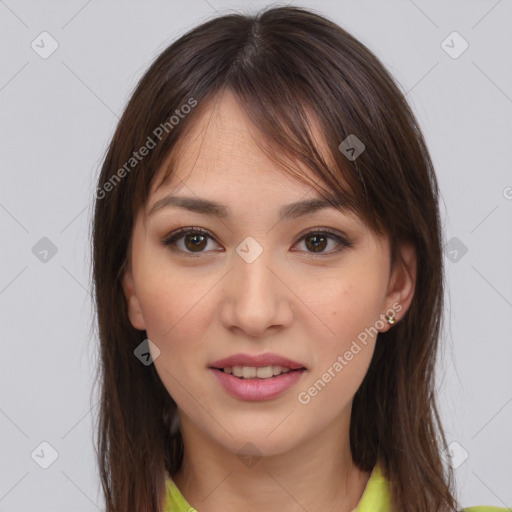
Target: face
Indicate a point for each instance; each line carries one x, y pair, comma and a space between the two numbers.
311, 288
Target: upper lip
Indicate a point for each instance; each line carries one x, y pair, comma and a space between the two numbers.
257, 361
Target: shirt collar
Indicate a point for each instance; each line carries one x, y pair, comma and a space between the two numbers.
375, 498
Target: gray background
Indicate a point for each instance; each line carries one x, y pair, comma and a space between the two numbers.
57, 117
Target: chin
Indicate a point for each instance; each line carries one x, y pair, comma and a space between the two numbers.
257, 443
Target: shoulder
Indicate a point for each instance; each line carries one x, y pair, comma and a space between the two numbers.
483, 508
377, 496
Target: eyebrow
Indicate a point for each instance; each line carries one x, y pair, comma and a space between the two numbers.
207, 207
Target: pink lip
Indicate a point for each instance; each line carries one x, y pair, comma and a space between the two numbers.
257, 361
257, 389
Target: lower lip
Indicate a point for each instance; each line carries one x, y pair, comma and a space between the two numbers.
257, 389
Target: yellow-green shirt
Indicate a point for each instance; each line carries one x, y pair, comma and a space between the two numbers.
375, 498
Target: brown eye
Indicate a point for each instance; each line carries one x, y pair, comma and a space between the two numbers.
188, 240
195, 242
316, 242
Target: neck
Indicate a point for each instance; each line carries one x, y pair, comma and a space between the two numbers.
314, 476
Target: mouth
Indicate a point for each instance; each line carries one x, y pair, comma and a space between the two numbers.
257, 372
256, 366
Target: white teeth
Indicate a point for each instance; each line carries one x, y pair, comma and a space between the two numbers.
250, 372
237, 371
265, 372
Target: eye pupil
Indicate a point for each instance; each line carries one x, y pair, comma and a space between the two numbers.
198, 243
319, 242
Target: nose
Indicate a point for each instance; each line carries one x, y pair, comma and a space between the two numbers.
255, 297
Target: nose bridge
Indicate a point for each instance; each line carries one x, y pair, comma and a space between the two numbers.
252, 272
255, 297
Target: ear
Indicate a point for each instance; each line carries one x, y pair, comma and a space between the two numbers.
134, 309
402, 284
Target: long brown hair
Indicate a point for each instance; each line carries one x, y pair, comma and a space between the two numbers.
285, 65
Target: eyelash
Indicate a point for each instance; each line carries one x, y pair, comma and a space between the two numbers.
171, 239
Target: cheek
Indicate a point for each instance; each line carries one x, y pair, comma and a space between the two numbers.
174, 309
350, 305
348, 349
329, 392
173, 302
343, 356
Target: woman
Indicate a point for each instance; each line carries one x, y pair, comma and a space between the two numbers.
269, 281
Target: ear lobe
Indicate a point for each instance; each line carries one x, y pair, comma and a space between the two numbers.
134, 309
402, 283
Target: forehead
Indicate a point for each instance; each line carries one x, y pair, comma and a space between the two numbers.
223, 148
220, 170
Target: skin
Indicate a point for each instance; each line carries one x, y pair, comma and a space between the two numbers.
307, 306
